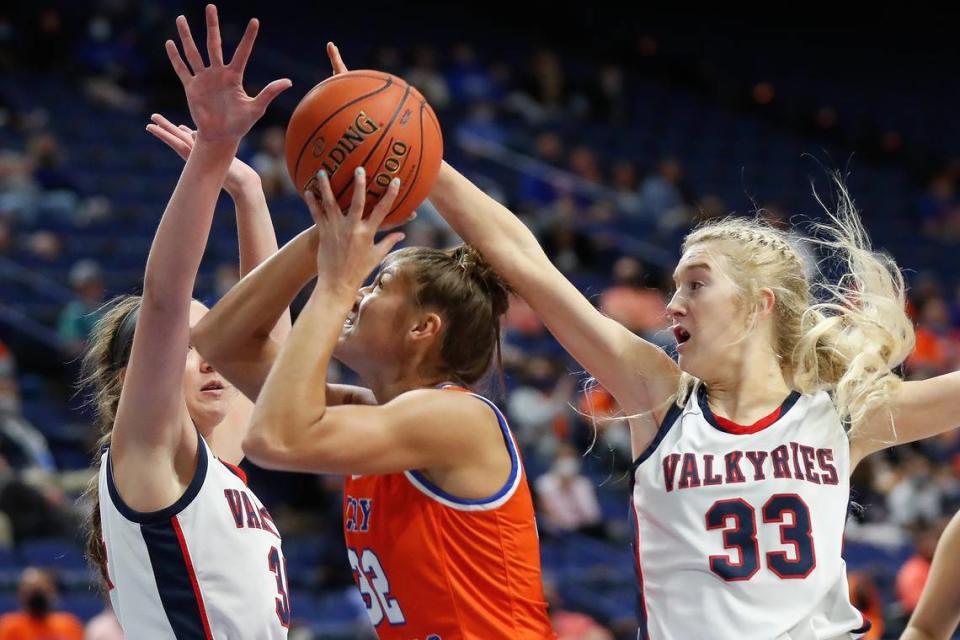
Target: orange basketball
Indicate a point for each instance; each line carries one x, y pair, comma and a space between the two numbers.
370, 119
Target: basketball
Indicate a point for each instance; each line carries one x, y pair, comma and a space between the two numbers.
366, 119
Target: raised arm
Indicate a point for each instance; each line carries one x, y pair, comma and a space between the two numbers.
295, 429
638, 374
237, 335
920, 409
149, 431
257, 241
938, 613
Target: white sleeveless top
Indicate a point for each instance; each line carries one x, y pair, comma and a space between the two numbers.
738, 530
210, 566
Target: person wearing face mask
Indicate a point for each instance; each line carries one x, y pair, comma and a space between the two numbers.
567, 498
36, 619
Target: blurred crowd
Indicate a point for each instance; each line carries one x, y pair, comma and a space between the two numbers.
611, 222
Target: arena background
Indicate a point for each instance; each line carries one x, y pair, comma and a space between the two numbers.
610, 131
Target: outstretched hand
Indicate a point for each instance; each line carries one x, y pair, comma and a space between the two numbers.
219, 105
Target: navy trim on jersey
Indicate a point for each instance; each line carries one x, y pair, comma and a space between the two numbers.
150, 517
867, 625
673, 414
171, 570
642, 631
708, 414
514, 465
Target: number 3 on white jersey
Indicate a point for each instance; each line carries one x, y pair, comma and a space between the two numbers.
374, 587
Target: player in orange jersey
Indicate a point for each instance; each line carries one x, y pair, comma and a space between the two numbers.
438, 516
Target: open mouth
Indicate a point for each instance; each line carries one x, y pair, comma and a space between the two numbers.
681, 334
352, 318
213, 385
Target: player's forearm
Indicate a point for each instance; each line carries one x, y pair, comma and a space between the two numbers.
244, 318
482, 221
255, 234
913, 633
293, 397
181, 237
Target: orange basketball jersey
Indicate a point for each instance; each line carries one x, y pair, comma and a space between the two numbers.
431, 566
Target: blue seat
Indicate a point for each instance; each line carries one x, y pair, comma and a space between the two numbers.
82, 605
53, 554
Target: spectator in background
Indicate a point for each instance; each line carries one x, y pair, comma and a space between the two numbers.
79, 316
538, 406
606, 95
567, 498
46, 246
21, 444
624, 180
916, 496
467, 79
583, 164
226, 275
46, 160
520, 320
59, 195
925, 286
33, 506
271, 163
423, 74
18, 191
543, 94
110, 59
664, 190
536, 188
939, 208
912, 576
937, 348
481, 125
36, 619
569, 245
640, 309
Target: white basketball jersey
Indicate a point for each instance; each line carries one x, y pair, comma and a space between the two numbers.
209, 566
738, 530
